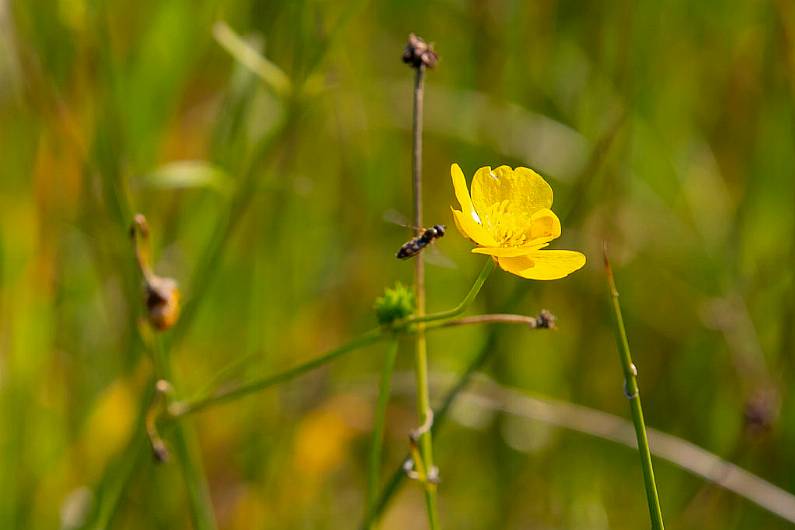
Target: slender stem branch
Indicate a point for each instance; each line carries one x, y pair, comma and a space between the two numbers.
178, 410
217, 397
497, 318
633, 395
186, 448
226, 372
379, 421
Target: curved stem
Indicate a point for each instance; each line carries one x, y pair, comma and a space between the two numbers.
462, 306
379, 420
221, 396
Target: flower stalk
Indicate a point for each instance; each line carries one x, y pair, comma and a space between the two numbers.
415, 55
462, 306
545, 320
379, 421
632, 393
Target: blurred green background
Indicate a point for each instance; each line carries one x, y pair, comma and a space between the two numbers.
665, 129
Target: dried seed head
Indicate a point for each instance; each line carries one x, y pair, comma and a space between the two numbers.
162, 302
162, 294
545, 320
419, 53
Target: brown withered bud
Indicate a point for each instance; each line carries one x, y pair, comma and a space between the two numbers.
545, 320
162, 294
761, 410
139, 225
160, 452
419, 53
162, 302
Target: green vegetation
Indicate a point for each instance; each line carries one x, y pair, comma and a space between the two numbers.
265, 141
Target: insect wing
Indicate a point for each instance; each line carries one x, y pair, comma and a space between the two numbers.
433, 256
396, 218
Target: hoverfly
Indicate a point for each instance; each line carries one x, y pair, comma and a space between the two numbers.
415, 245
419, 243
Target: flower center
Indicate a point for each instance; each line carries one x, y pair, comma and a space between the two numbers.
507, 228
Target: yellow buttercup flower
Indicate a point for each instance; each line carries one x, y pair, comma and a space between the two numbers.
508, 216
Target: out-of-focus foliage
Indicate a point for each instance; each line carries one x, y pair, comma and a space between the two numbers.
665, 128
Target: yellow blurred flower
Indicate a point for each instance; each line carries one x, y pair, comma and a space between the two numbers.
508, 216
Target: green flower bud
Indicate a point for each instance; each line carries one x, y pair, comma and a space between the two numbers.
396, 304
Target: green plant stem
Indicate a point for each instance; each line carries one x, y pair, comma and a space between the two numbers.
221, 396
633, 395
187, 452
273, 76
421, 349
217, 397
116, 476
440, 415
379, 421
497, 318
184, 408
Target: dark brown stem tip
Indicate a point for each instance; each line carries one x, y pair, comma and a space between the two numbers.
762, 410
419, 53
160, 451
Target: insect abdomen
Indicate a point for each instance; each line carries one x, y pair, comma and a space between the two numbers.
411, 248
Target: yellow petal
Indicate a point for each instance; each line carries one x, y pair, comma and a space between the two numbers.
544, 224
509, 252
544, 264
467, 220
522, 190
470, 229
460, 187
